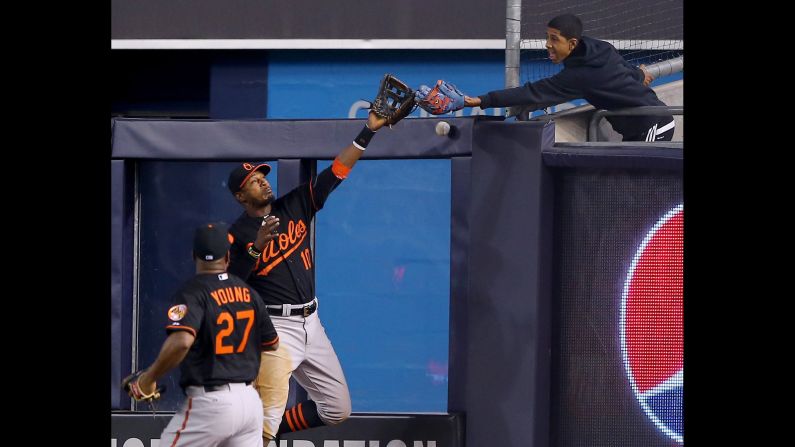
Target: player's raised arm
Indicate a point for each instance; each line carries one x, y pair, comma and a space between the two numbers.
393, 102
351, 153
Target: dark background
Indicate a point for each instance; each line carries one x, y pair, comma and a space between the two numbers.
363, 19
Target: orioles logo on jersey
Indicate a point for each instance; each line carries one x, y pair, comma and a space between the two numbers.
177, 312
288, 242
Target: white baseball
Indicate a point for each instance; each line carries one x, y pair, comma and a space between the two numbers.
442, 128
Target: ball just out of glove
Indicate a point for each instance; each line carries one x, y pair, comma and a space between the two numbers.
442, 98
394, 101
442, 128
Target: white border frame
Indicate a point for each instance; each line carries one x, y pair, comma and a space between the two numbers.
363, 44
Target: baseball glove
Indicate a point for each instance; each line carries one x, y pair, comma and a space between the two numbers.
131, 386
394, 101
443, 98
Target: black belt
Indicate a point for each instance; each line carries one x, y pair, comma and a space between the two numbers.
223, 386
305, 311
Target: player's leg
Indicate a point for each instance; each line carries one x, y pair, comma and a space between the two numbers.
204, 419
276, 367
321, 375
249, 407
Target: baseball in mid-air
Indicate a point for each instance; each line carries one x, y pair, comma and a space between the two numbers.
442, 128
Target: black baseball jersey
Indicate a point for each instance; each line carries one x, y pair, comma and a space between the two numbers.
594, 71
285, 272
231, 327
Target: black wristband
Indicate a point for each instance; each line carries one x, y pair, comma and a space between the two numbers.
363, 139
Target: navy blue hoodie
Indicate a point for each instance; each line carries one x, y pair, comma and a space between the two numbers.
593, 71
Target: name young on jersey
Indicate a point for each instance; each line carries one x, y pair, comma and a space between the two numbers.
231, 295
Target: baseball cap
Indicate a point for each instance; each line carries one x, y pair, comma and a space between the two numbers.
211, 242
239, 176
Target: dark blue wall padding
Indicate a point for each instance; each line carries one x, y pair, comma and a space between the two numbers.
239, 86
323, 139
508, 354
661, 155
294, 172
116, 260
459, 281
121, 267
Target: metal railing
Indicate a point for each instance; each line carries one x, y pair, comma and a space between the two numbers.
593, 125
666, 68
513, 47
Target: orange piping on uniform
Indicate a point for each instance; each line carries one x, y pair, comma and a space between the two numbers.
301, 415
184, 423
289, 421
271, 342
312, 195
295, 418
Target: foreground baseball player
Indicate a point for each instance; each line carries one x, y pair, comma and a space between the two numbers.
271, 251
217, 328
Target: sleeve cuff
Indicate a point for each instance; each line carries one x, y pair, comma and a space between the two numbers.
485, 101
270, 343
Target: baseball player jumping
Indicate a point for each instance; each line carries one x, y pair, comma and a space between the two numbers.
217, 328
271, 251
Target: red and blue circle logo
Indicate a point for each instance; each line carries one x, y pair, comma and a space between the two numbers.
652, 325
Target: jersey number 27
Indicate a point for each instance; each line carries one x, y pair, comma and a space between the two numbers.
225, 318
